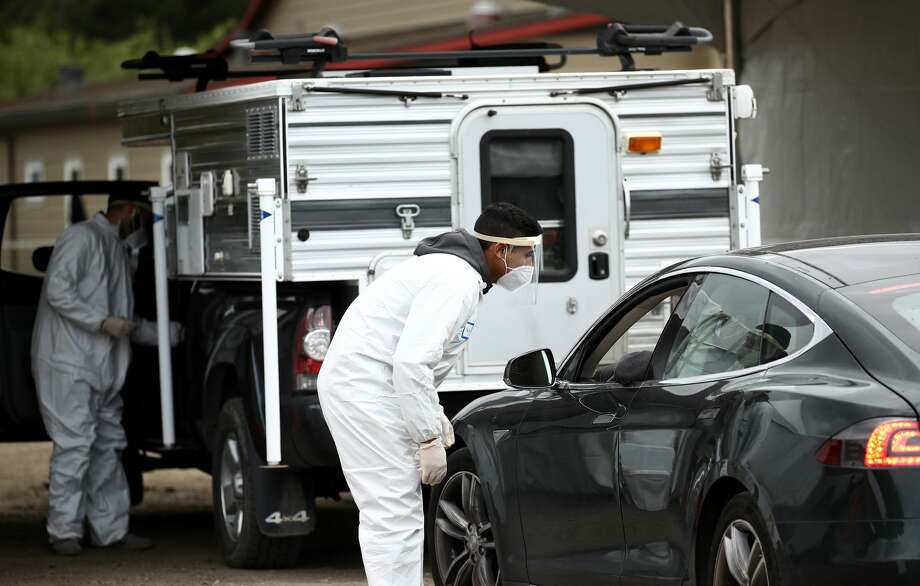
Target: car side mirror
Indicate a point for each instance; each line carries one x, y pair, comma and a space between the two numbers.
632, 368
534, 370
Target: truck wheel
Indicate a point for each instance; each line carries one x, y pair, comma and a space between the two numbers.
233, 485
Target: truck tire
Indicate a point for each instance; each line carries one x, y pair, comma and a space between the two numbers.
233, 482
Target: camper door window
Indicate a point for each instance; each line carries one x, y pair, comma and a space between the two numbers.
535, 170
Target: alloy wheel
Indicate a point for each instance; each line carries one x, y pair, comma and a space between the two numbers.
463, 541
741, 560
231, 487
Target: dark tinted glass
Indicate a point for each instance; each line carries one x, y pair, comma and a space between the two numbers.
722, 330
786, 330
863, 262
534, 170
893, 302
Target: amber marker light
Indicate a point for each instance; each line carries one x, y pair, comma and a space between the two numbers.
645, 143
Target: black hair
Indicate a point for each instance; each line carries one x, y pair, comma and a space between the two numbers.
506, 221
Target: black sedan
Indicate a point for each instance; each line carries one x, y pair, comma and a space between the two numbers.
742, 419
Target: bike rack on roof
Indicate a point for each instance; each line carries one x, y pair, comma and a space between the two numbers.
325, 47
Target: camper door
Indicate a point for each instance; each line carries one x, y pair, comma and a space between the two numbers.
557, 162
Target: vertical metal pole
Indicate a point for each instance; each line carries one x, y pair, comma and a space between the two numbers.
158, 201
749, 191
269, 241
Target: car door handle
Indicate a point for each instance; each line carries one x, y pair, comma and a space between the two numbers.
608, 418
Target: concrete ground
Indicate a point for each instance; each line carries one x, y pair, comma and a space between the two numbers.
176, 513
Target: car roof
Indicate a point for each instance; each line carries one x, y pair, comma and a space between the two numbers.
846, 260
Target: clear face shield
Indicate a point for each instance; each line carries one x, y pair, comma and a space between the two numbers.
134, 232
523, 258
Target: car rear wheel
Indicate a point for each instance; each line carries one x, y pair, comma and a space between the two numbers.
461, 539
741, 553
233, 485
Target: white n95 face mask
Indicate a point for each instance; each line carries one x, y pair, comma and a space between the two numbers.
516, 278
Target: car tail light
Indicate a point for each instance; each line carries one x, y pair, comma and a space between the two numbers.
314, 332
896, 443
875, 443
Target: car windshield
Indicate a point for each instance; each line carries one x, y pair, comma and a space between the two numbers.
893, 302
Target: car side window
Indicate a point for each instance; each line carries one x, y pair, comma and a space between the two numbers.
33, 224
786, 330
628, 343
723, 329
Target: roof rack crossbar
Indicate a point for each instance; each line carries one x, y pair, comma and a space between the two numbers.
325, 46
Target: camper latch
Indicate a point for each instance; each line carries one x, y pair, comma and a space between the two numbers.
407, 212
297, 98
716, 93
302, 178
716, 166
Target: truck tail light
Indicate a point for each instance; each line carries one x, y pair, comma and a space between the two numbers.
875, 443
314, 332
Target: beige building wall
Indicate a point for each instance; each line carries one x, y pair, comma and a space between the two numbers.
95, 146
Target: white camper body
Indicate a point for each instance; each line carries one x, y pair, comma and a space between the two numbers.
351, 182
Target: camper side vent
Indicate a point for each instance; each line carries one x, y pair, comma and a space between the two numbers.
255, 216
261, 133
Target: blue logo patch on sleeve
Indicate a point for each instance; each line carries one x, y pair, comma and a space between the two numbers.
467, 331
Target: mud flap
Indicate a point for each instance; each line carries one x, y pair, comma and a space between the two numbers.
285, 502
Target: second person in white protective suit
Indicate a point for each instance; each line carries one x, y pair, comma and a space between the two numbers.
392, 349
81, 349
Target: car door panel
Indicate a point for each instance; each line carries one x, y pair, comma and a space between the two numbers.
666, 442
666, 449
28, 222
567, 488
20, 405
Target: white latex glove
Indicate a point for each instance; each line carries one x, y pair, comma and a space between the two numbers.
176, 333
146, 333
117, 327
433, 460
447, 431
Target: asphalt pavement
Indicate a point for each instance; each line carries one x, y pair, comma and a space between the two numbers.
176, 513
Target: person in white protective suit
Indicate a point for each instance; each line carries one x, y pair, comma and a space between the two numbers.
81, 348
393, 347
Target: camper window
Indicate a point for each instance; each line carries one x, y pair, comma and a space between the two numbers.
534, 170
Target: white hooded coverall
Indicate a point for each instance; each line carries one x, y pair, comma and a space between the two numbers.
79, 371
394, 346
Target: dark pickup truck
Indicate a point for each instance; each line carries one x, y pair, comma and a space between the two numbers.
261, 514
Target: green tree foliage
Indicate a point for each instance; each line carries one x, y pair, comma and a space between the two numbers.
41, 36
